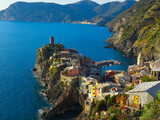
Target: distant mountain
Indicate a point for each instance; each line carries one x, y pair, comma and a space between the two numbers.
114, 9
51, 12
137, 30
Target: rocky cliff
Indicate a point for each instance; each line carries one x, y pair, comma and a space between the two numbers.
63, 96
43, 62
137, 30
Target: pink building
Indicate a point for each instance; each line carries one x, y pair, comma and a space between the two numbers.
72, 71
65, 54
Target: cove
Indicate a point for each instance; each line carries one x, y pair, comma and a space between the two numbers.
19, 94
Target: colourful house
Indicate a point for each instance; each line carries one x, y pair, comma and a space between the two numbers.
110, 74
73, 51
90, 94
93, 91
65, 54
97, 92
72, 71
143, 93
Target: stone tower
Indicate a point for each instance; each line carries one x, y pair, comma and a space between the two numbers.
51, 40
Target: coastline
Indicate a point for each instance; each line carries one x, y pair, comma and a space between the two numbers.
42, 93
99, 36
58, 94
76, 22
84, 22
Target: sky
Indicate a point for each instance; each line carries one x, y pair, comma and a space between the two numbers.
5, 3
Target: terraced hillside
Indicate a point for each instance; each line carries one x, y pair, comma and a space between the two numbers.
137, 30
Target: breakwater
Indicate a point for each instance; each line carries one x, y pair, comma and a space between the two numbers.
105, 63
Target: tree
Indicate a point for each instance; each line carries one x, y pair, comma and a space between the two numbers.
111, 101
107, 98
129, 88
148, 79
120, 99
100, 106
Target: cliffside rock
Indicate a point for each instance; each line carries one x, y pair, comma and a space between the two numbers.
64, 97
137, 30
87, 114
43, 63
82, 99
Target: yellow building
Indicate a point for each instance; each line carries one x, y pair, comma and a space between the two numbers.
93, 91
135, 100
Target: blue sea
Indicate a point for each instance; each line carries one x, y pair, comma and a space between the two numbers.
19, 88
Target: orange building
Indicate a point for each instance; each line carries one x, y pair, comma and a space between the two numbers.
97, 92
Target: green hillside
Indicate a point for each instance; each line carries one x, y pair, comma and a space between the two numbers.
52, 12
112, 12
137, 30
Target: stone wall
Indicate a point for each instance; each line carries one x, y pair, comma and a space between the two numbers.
68, 80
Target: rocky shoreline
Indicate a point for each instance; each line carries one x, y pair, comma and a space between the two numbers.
63, 92
135, 35
106, 63
64, 98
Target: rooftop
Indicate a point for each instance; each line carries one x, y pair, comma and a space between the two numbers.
101, 85
72, 67
122, 75
151, 87
119, 75
64, 52
90, 79
155, 66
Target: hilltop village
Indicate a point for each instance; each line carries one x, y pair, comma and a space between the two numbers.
74, 80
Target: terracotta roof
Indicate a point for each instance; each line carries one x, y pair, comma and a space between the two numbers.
64, 52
